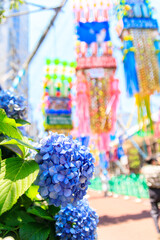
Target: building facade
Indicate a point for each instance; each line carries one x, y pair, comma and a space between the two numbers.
14, 50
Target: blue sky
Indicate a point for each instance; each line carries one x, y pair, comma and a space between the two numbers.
59, 43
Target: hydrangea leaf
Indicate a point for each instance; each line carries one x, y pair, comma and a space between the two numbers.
16, 216
38, 211
16, 177
32, 192
5, 227
53, 210
17, 146
8, 126
34, 231
21, 122
13, 146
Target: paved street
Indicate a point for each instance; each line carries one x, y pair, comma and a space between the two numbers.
121, 219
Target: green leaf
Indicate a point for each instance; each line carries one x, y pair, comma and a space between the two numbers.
53, 210
17, 217
8, 126
32, 192
16, 177
40, 212
24, 201
21, 122
34, 231
13, 147
5, 227
0, 155
25, 142
18, 146
52, 235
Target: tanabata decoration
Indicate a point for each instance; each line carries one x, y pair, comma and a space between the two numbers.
93, 47
97, 90
57, 94
140, 53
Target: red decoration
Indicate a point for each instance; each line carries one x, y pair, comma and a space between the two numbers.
96, 62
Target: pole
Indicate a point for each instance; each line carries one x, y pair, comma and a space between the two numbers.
144, 156
21, 73
25, 65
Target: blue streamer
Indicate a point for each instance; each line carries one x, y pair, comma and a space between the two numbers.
103, 161
84, 140
157, 46
120, 152
130, 70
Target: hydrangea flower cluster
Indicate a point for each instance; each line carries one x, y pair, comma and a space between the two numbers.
14, 106
78, 222
66, 168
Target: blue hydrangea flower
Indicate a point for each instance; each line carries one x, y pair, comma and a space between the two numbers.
14, 106
78, 222
66, 168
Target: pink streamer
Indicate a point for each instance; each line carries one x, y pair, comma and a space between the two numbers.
103, 142
114, 92
83, 104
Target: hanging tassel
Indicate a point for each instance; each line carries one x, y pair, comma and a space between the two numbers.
144, 112
113, 96
148, 109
